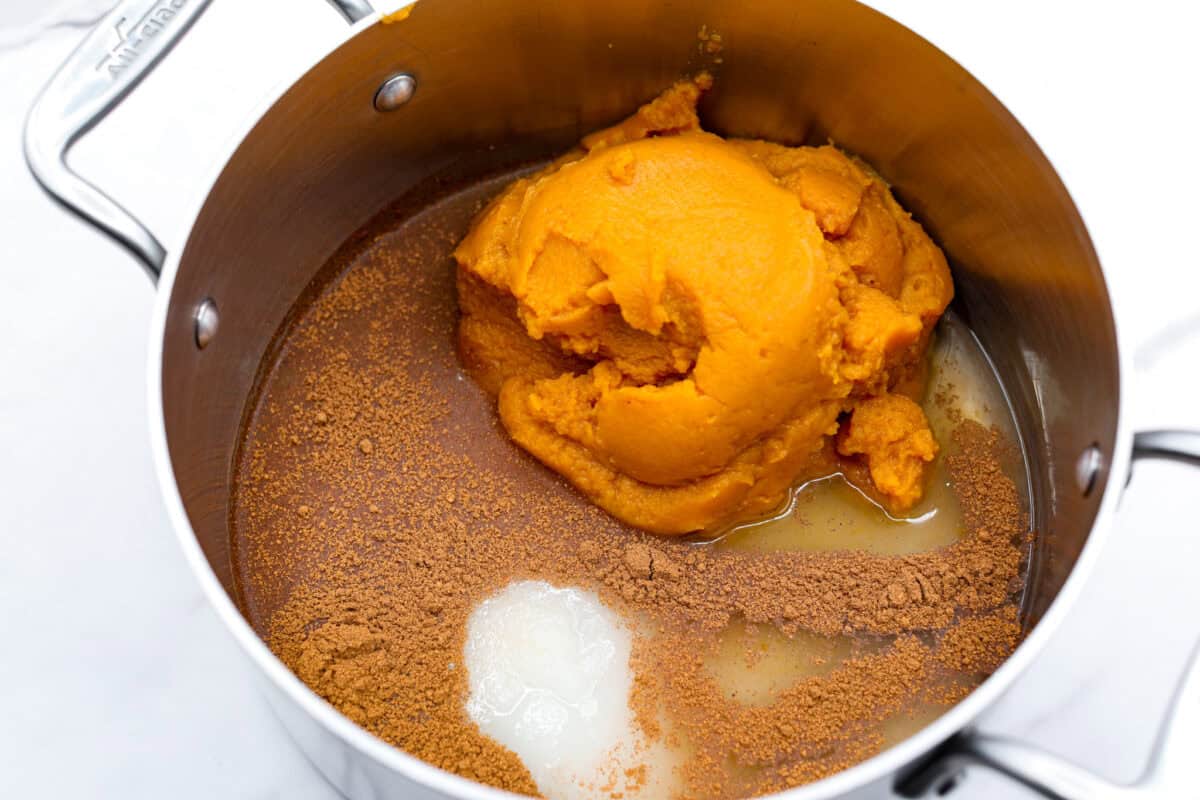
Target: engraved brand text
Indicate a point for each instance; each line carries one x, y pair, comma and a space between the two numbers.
134, 39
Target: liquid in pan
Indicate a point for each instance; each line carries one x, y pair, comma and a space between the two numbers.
382, 507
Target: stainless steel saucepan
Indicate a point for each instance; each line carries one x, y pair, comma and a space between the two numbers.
392, 104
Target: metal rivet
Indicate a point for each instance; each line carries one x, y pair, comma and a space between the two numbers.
207, 321
1087, 469
395, 92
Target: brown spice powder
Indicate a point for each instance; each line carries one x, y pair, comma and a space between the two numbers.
377, 502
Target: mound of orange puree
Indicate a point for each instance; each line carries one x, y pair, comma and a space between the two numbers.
685, 326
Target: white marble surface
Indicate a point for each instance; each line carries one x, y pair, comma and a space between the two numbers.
116, 679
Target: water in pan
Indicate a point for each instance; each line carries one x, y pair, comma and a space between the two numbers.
332, 543
832, 514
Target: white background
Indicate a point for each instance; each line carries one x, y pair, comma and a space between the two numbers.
116, 680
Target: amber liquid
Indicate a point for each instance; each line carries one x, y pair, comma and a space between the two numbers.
754, 663
831, 514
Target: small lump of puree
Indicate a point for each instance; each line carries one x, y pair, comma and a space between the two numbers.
683, 326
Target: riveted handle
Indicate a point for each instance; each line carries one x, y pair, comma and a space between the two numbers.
1172, 763
107, 64
110, 61
1170, 773
1172, 445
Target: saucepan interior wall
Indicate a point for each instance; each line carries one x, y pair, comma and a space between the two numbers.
528, 78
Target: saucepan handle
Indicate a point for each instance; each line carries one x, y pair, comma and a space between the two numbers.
1168, 444
1172, 768
103, 69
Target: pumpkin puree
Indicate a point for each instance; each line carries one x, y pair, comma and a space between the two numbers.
684, 326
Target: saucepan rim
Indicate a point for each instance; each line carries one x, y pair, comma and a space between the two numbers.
888, 762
